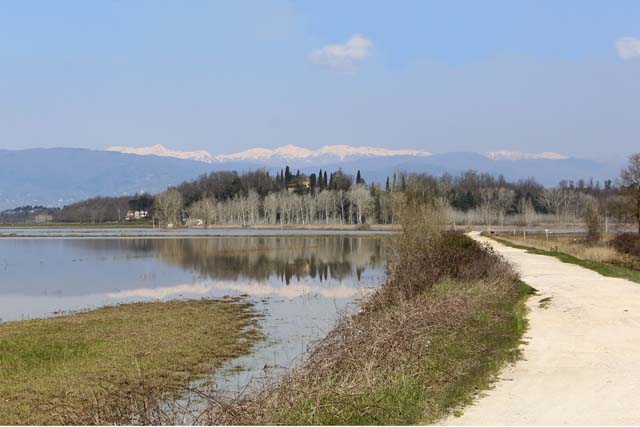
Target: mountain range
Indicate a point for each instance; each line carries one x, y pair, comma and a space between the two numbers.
59, 176
326, 154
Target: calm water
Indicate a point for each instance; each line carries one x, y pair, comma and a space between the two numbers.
300, 283
69, 232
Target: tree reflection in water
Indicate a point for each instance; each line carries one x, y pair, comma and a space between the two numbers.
258, 257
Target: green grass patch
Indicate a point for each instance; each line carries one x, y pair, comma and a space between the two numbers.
64, 369
605, 269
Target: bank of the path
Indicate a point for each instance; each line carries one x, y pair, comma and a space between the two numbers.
581, 360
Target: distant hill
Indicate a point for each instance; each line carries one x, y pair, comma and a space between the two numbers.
59, 176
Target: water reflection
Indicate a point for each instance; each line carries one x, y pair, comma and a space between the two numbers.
255, 289
77, 267
104, 270
260, 258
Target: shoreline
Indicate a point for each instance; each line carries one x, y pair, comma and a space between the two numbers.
322, 233
362, 227
330, 227
71, 232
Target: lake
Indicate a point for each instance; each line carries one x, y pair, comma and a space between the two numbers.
301, 284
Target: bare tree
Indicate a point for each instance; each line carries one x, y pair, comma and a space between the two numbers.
503, 201
554, 200
326, 204
487, 209
253, 206
527, 210
271, 208
630, 177
204, 210
168, 206
341, 200
361, 200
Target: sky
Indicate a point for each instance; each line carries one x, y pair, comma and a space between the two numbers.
222, 76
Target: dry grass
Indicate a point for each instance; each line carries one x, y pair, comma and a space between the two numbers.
449, 316
597, 258
575, 244
116, 364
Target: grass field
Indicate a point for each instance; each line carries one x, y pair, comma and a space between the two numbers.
102, 365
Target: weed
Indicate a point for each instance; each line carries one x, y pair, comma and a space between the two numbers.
545, 302
627, 243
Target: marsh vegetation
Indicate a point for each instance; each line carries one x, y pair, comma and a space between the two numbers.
116, 364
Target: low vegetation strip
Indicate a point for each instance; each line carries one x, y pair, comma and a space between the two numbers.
449, 316
110, 365
604, 268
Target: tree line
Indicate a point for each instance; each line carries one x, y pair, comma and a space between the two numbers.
257, 197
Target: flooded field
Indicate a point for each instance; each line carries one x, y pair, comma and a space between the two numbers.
106, 232
301, 284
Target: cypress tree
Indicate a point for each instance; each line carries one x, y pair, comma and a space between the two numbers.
287, 175
312, 183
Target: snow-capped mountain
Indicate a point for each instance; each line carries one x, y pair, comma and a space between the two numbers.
328, 153
332, 152
162, 151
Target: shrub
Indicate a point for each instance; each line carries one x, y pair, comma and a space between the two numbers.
594, 225
627, 243
425, 255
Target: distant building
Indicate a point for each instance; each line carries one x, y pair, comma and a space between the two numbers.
298, 184
136, 215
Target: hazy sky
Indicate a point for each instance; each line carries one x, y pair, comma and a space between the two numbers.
225, 76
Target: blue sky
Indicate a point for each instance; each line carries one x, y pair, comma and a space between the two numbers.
226, 76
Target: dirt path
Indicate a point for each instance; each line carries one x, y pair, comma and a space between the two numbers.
582, 358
